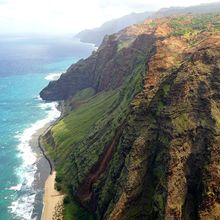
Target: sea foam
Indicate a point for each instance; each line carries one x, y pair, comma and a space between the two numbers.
23, 207
53, 76
16, 188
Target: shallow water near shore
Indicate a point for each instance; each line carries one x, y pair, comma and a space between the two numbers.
25, 68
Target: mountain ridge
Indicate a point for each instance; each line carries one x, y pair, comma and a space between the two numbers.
195, 9
96, 35
142, 118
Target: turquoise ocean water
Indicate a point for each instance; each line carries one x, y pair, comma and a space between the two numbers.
26, 65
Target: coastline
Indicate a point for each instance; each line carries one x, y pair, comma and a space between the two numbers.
42, 173
53, 200
25, 117
45, 168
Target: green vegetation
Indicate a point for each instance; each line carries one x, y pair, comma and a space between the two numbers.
190, 25
80, 137
152, 24
183, 122
216, 113
166, 90
160, 107
73, 128
83, 94
72, 211
124, 44
79, 99
164, 94
176, 121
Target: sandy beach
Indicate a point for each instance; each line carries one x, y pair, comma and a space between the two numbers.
45, 176
53, 200
44, 182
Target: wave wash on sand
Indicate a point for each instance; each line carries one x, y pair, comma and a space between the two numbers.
23, 207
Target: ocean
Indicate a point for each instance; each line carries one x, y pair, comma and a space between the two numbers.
27, 64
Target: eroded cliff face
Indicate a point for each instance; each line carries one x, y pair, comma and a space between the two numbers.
105, 69
154, 152
173, 166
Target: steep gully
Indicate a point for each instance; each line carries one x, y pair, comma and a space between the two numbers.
85, 190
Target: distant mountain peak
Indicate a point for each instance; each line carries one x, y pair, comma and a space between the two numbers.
96, 35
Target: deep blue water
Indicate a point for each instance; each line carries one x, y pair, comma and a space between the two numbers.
25, 62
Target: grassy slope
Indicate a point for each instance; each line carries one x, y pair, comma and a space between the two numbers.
155, 200
82, 135
190, 25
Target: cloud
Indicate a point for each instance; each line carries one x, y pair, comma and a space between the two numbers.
71, 15
3, 2
45, 15
144, 4
141, 5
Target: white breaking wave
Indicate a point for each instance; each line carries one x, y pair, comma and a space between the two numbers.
22, 209
53, 76
38, 98
16, 188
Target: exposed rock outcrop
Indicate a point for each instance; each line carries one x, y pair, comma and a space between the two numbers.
103, 70
149, 146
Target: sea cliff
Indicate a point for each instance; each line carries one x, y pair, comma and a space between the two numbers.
140, 135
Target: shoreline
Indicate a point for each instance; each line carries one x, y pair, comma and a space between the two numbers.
50, 162
45, 166
53, 200
46, 128
42, 173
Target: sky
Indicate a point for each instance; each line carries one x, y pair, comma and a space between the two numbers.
71, 16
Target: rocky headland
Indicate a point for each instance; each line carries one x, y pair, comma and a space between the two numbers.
140, 138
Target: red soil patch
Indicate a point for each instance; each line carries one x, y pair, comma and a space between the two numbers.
85, 190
